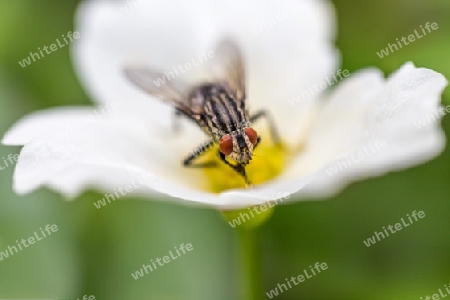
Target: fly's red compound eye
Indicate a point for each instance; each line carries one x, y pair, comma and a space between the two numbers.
252, 135
226, 144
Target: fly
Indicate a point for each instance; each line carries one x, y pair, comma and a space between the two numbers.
216, 105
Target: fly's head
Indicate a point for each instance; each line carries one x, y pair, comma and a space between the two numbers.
239, 145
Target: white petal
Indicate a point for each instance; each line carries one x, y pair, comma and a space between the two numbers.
48, 124
70, 152
364, 112
291, 53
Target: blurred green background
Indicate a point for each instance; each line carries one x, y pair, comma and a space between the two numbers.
95, 251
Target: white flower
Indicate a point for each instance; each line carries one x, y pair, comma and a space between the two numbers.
364, 128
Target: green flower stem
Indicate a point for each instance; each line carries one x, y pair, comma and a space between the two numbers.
251, 264
250, 220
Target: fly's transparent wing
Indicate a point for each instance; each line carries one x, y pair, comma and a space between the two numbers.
227, 66
174, 91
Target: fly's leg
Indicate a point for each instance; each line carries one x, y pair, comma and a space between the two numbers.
257, 142
272, 127
239, 168
188, 161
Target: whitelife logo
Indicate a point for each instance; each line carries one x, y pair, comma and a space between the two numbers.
53, 47
161, 262
9, 161
318, 267
129, 6
315, 89
121, 191
258, 209
437, 296
356, 157
181, 69
11, 250
86, 297
398, 226
430, 119
391, 48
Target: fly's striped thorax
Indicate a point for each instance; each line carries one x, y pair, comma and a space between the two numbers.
222, 113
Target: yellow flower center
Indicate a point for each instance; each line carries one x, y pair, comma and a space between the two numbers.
268, 161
